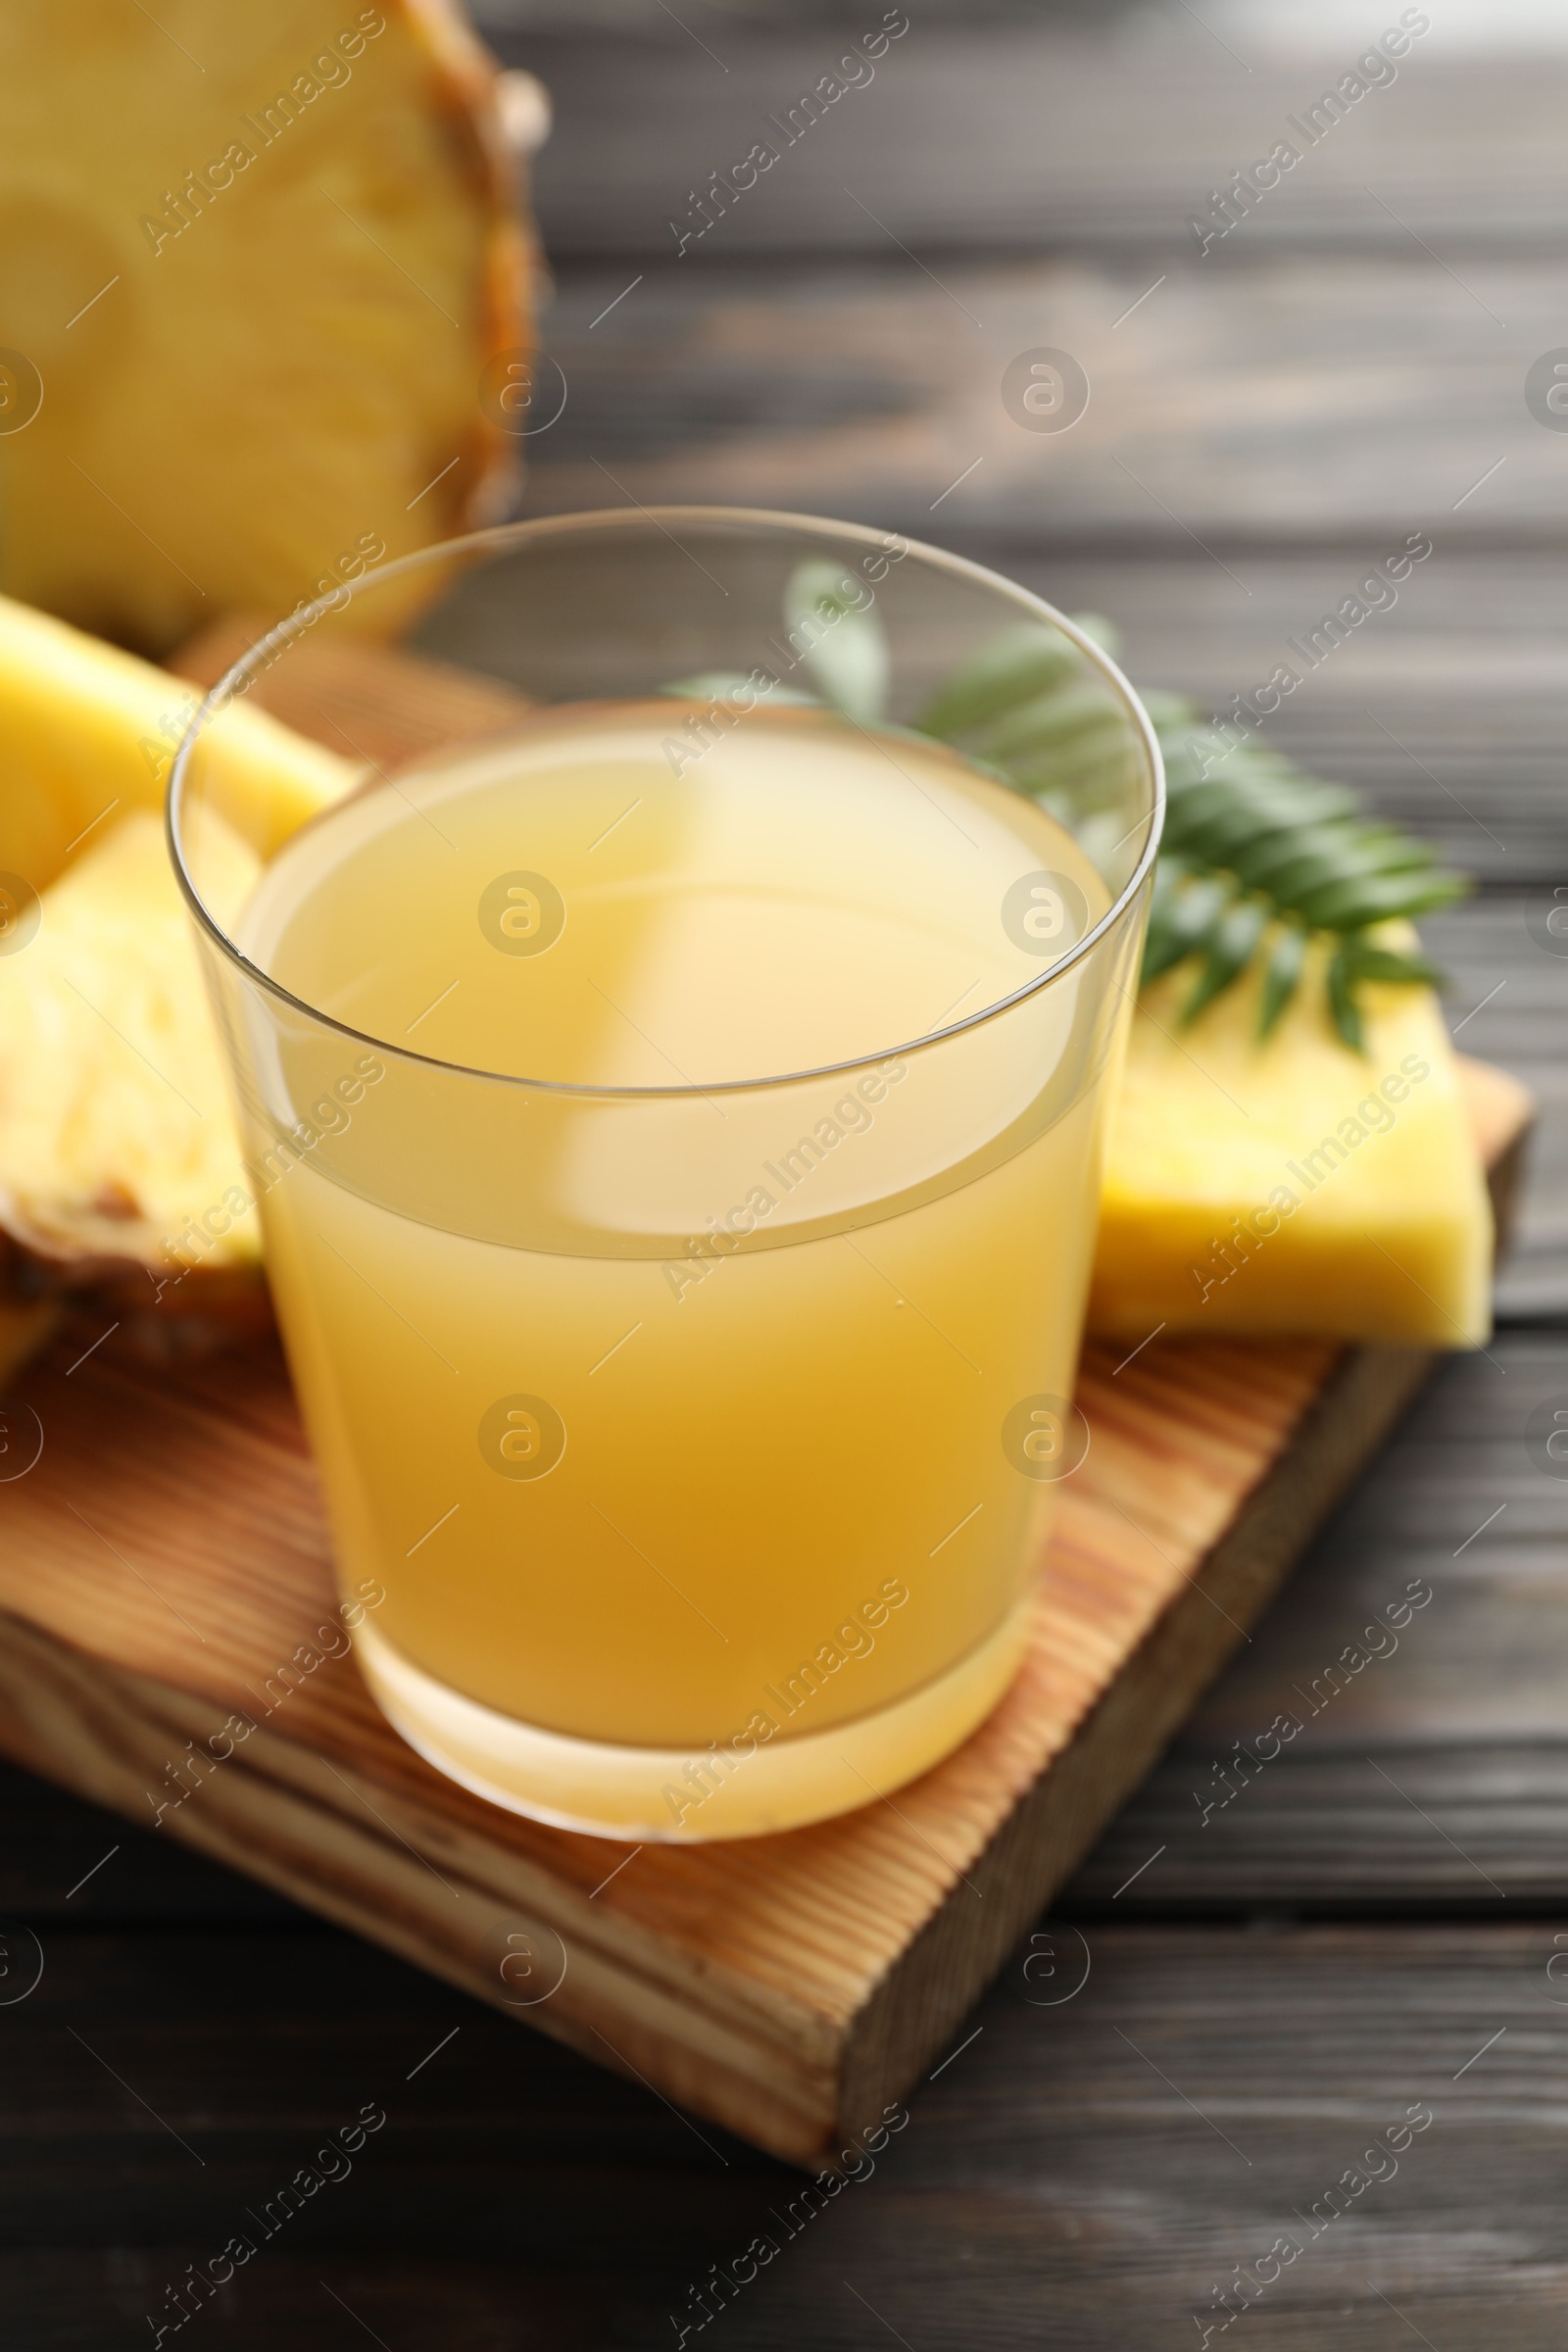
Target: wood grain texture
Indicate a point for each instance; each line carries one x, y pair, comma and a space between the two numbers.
1080, 2176
1435, 1774
1034, 134
1304, 400
1510, 998
165, 1559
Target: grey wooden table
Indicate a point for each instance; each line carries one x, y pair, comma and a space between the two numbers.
1220, 2021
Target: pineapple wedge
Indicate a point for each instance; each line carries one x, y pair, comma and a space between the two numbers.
1292, 1186
115, 1119
89, 734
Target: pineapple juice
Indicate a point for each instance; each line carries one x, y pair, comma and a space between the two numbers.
681, 1425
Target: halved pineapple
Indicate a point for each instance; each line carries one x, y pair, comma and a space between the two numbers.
255, 264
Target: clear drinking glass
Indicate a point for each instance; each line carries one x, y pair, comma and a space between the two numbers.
675, 1105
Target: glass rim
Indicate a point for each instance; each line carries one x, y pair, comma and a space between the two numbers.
500, 538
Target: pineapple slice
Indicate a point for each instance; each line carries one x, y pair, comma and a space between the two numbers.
1292, 1186
115, 1122
116, 1130
89, 733
258, 267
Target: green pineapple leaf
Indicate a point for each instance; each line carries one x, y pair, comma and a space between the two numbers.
1282, 978
842, 646
1257, 859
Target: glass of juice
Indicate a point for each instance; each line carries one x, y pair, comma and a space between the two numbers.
672, 1073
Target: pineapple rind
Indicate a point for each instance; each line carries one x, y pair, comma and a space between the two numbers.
115, 1119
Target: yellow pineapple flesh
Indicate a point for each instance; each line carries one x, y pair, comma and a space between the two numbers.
1292, 1186
115, 1121
116, 1130
255, 264
88, 733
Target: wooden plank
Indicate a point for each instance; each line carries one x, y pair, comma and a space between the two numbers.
787, 1987
1436, 1772
1305, 398
1510, 999
1414, 1825
72, 1864
468, 2303
1034, 134
1054, 2187
1051, 2187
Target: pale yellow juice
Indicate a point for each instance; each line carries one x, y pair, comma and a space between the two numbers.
682, 1426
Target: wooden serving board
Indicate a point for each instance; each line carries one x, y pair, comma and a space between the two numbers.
166, 1557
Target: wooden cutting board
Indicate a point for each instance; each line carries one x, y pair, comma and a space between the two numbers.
165, 1559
